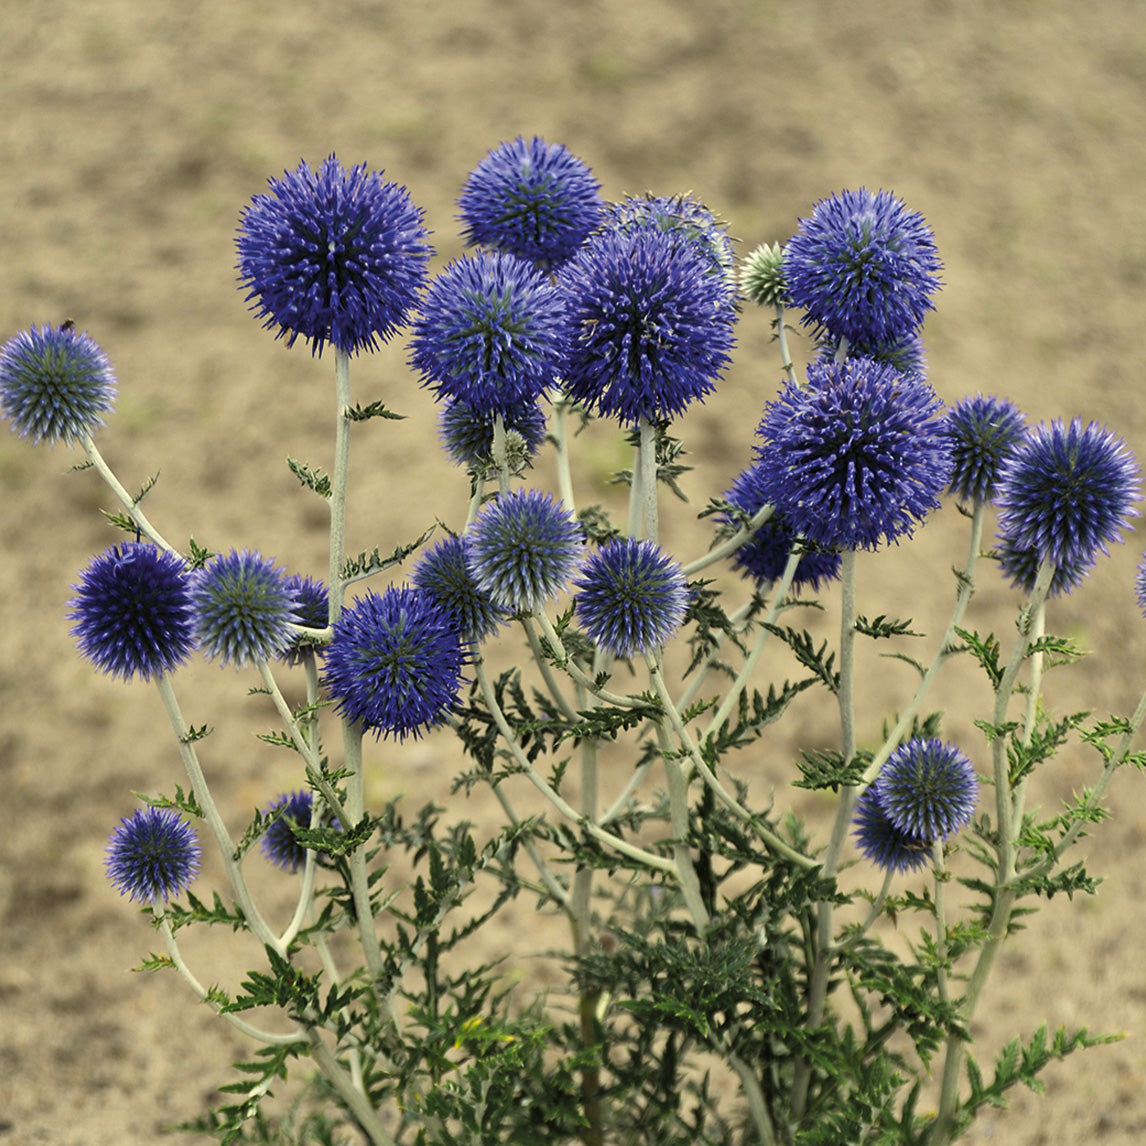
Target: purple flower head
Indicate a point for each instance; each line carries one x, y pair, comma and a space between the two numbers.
132, 611
467, 433
279, 844
863, 267
882, 842
492, 333
395, 662
523, 549
334, 256
535, 200
153, 854
1065, 492
855, 458
55, 384
928, 789
312, 609
1021, 568
244, 606
907, 355
1140, 584
631, 597
984, 431
443, 575
652, 324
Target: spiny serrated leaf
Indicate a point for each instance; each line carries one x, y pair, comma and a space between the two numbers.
374, 410
313, 479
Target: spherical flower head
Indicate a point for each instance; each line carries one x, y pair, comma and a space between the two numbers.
762, 276
312, 609
881, 841
764, 555
855, 458
631, 597
928, 789
333, 256
443, 575
983, 432
467, 433
395, 662
492, 332
1021, 568
653, 324
1140, 584
1066, 491
55, 384
535, 200
279, 844
906, 354
153, 854
244, 607
132, 611
863, 267
523, 549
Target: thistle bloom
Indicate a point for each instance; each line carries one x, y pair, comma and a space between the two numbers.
153, 854
1021, 568
278, 843
312, 609
762, 276
631, 597
881, 841
983, 433
863, 267
132, 611
652, 324
492, 333
244, 607
1065, 492
333, 255
55, 384
467, 433
905, 354
1140, 584
855, 458
535, 200
443, 575
395, 662
523, 549
928, 789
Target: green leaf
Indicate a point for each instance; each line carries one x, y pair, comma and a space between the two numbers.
374, 410
313, 479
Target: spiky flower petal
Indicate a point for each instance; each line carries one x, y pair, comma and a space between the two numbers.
132, 611
442, 574
55, 384
928, 789
983, 432
153, 854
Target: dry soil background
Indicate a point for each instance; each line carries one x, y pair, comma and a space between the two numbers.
132, 133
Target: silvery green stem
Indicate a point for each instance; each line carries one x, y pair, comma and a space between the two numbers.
338, 483
560, 437
730, 544
125, 499
354, 1098
647, 524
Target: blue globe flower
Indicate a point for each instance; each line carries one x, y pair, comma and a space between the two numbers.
333, 256
535, 200
631, 597
523, 549
467, 433
312, 609
928, 789
881, 841
492, 333
279, 844
443, 575
243, 607
395, 662
153, 854
132, 611
653, 324
855, 458
1140, 584
1021, 568
983, 432
863, 267
55, 384
1065, 492
907, 355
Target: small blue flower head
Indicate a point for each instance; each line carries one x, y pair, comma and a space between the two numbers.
55, 384
132, 611
244, 606
907, 355
631, 597
881, 841
863, 267
467, 434
395, 662
443, 575
333, 255
928, 789
855, 458
983, 433
535, 200
278, 843
312, 609
1021, 568
523, 549
764, 555
1140, 584
492, 333
653, 324
1066, 491
153, 854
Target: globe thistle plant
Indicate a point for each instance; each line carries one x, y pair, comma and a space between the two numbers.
244, 607
395, 662
983, 432
132, 611
333, 256
523, 549
882, 842
467, 433
653, 325
1021, 568
153, 854
443, 575
855, 458
1065, 492
55, 384
492, 333
312, 609
631, 597
928, 789
279, 844
863, 267
535, 200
